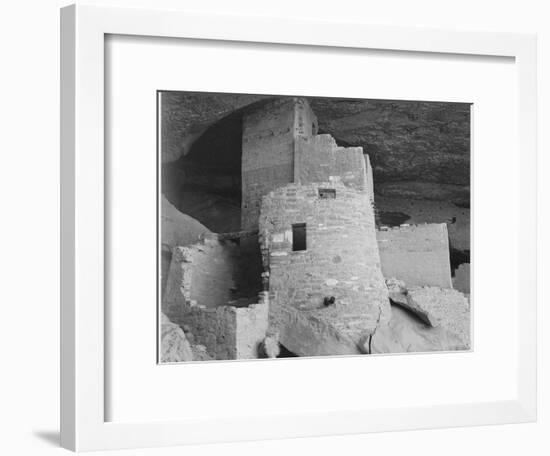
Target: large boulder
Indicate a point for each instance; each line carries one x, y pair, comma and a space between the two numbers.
269, 347
406, 333
174, 347
441, 307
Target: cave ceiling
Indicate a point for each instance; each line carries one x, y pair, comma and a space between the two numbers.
417, 149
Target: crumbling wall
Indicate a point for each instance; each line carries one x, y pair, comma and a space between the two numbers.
218, 270
319, 159
215, 328
268, 149
202, 295
227, 332
176, 229
208, 269
416, 254
341, 260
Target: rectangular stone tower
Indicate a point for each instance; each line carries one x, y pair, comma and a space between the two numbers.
268, 150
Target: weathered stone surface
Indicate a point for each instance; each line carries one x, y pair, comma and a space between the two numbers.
186, 115
178, 228
174, 345
341, 260
405, 333
268, 145
213, 292
200, 353
397, 290
270, 345
418, 211
318, 158
407, 141
418, 148
430, 191
216, 271
310, 334
252, 324
461, 280
443, 307
416, 254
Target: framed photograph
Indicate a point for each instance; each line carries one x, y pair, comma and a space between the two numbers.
275, 228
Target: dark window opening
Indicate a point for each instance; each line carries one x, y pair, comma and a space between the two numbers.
298, 237
327, 193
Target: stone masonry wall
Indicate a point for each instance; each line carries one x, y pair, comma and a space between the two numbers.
220, 269
227, 331
216, 329
416, 254
319, 159
209, 269
268, 148
341, 260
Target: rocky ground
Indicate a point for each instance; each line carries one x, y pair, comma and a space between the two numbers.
175, 346
424, 319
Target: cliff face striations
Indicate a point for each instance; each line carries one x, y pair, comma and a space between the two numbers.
418, 149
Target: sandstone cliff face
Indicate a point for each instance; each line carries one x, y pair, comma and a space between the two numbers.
417, 149
422, 146
178, 228
186, 115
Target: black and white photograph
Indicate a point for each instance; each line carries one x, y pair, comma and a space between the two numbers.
297, 226
275, 228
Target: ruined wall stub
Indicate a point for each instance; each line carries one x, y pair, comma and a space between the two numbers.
416, 254
218, 270
209, 269
341, 260
227, 331
319, 159
215, 328
268, 150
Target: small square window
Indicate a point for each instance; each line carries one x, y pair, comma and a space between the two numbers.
299, 237
327, 193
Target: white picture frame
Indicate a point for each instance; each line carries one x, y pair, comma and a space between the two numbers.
83, 396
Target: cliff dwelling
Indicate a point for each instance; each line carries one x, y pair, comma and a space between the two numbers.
299, 226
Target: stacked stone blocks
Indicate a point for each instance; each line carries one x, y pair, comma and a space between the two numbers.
416, 254
341, 260
229, 329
